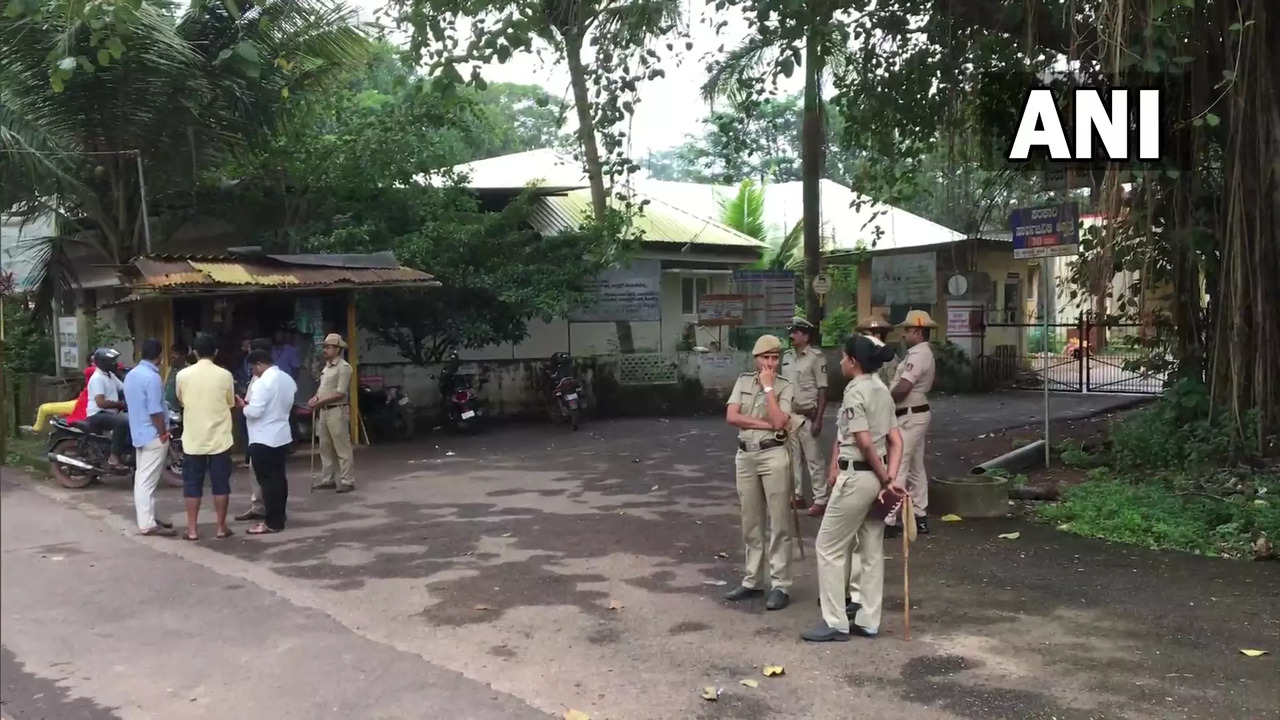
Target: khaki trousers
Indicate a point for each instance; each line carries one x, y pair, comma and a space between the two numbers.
915, 429
845, 525
764, 492
803, 447
334, 428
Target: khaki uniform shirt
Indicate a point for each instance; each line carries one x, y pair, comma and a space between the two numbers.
807, 371
748, 394
918, 369
866, 406
336, 378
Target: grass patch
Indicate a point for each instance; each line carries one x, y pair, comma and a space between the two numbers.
1172, 478
27, 453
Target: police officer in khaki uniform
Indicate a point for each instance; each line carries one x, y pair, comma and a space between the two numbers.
333, 418
910, 388
760, 407
877, 327
806, 368
865, 461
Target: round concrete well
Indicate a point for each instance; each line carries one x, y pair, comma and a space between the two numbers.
970, 496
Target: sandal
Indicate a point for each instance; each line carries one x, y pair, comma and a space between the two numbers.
158, 531
190, 538
223, 534
261, 529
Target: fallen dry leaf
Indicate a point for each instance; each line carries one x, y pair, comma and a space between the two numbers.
722, 555
717, 583
950, 518
615, 605
750, 683
483, 607
576, 715
1252, 653
654, 488
1009, 536
774, 670
710, 693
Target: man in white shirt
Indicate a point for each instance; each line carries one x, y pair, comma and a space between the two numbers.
105, 411
266, 412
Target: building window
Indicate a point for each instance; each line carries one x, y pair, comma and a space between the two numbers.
1012, 300
692, 288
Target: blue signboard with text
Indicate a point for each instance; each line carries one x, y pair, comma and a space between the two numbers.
1047, 231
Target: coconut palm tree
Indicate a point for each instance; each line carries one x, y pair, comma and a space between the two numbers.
738, 77
119, 119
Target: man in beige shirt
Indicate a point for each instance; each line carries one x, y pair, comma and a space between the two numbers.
760, 408
910, 389
206, 392
333, 421
806, 368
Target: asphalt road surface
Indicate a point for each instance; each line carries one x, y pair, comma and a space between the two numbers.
532, 570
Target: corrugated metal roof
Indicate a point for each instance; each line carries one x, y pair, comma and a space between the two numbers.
167, 272
658, 221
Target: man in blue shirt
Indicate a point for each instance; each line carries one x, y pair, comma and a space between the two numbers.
148, 423
284, 355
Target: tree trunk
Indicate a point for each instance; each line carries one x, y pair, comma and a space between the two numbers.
812, 139
586, 127
591, 157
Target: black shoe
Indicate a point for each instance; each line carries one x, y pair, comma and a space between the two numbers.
164, 524
345, 488
742, 593
847, 601
863, 632
892, 531
323, 486
778, 599
250, 515
851, 609
824, 633
922, 526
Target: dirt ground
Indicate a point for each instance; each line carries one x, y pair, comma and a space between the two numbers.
559, 570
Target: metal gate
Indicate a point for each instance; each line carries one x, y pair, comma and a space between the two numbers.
1086, 356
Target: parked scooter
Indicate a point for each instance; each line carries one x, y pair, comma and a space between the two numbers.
463, 408
566, 401
301, 423
78, 457
386, 413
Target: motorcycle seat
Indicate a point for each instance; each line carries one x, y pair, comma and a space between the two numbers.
80, 425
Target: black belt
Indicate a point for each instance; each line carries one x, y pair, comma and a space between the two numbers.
856, 465
911, 410
769, 444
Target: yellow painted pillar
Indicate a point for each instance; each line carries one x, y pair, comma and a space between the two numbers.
353, 357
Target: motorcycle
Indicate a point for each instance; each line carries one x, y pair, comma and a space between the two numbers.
386, 412
566, 391
462, 406
78, 457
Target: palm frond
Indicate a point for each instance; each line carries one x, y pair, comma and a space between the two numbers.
734, 77
744, 211
636, 21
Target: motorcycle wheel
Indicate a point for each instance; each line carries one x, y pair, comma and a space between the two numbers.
172, 472
574, 416
68, 477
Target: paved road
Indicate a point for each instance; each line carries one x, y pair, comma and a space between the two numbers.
473, 578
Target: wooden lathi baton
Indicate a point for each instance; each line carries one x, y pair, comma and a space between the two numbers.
908, 523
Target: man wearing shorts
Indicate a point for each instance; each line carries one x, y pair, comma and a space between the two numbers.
207, 394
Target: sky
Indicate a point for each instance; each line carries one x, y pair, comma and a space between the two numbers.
670, 108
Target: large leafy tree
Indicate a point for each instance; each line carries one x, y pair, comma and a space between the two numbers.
606, 46
99, 102
1206, 222
520, 118
365, 170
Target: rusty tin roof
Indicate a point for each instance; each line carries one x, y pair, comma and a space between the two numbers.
162, 273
